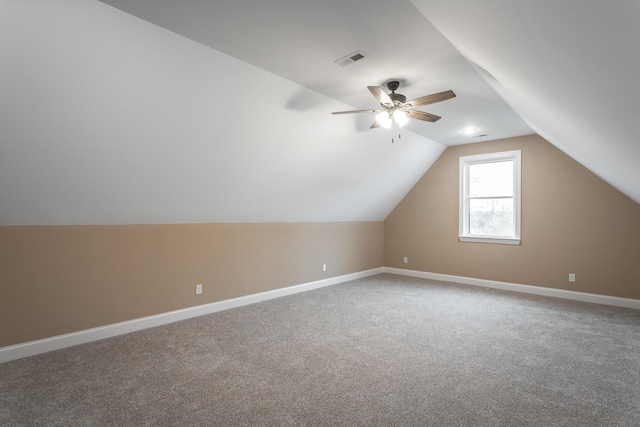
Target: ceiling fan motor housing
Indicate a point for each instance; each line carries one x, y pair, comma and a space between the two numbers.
395, 97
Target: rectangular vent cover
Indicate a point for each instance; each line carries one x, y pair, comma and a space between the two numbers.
351, 58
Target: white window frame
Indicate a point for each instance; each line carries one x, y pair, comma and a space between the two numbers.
465, 162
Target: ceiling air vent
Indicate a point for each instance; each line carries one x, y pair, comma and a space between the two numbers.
351, 58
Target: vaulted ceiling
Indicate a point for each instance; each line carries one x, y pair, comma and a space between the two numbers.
148, 111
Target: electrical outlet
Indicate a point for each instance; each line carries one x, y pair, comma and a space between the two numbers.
198, 289
324, 267
406, 260
572, 277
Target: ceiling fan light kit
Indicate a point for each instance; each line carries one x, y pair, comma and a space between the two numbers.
400, 117
396, 109
384, 119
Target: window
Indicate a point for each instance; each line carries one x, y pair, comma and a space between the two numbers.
490, 198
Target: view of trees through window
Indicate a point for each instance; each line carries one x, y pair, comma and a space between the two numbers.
491, 199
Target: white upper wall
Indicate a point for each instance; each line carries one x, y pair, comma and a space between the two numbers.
107, 119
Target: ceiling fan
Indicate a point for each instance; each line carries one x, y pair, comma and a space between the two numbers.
396, 108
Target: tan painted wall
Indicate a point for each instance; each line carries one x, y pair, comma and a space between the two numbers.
572, 222
60, 279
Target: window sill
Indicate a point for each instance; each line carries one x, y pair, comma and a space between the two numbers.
496, 240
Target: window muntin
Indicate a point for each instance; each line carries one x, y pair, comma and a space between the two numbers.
490, 198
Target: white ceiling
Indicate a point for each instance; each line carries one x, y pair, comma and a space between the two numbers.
301, 40
220, 111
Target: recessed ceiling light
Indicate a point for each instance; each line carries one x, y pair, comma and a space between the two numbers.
469, 130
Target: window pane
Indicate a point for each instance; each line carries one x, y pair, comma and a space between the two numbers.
491, 179
491, 217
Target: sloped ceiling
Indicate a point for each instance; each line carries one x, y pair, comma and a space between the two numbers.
108, 119
568, 68
192, 111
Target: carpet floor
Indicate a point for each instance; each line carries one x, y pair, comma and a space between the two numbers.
381, 351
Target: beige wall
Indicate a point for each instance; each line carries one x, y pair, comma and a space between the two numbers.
56, 280
62, 279
572, 222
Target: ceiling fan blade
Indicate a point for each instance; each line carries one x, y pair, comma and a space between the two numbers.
420, 115
356, 111
375, 125
381, 95
432, 99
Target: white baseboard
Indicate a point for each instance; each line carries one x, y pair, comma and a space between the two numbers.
32, 348
67, 340
527, 289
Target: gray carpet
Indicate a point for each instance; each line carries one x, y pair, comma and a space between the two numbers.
382, 351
